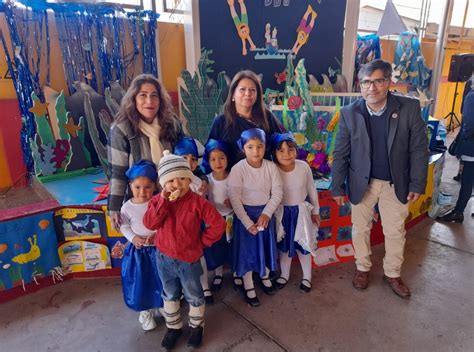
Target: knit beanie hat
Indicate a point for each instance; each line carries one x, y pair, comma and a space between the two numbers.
172, 166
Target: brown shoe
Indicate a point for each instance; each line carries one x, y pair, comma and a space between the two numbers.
361, 280
398, 286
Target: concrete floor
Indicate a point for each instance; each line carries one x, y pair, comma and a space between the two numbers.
89, 315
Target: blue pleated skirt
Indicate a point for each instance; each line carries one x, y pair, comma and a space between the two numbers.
289, 221
141, 283
218, 254
254, 253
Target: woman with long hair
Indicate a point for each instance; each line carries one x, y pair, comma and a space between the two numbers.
243, 109
144, 127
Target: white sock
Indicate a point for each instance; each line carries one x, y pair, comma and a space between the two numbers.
285, 265
219, 270
204, 279
248, 284
305, 261
266, 279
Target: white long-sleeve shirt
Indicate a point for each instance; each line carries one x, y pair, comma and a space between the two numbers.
218, 192
254, 186
132, 220
299, 184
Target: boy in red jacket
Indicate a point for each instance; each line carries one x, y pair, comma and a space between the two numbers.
177, 214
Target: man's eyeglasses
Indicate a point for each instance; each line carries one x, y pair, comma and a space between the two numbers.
379, 82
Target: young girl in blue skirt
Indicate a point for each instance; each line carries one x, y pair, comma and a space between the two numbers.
255, 192
300, 219
141, 283
215, 162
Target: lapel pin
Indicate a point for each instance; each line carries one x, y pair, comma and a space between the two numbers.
394, 115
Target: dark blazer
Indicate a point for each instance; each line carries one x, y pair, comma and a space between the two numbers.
407, 149
466, 141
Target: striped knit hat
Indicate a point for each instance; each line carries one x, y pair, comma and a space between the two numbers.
172, 166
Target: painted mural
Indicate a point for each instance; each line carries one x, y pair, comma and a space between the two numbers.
27, 250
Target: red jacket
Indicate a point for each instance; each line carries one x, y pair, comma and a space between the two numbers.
178, 225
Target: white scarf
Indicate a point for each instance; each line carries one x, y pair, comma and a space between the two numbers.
152, 131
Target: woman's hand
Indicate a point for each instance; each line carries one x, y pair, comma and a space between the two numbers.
316, 219
262, 221
115, 220
204, 188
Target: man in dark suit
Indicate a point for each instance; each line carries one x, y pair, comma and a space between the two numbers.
380, 157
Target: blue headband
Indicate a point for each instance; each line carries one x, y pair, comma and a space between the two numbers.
185, 146
253, 133
143, 168
277, 138
212, 145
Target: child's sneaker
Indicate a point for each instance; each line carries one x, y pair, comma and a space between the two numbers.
195, 339
170, 338
146, 319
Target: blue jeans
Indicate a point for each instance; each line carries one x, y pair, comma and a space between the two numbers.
180, 277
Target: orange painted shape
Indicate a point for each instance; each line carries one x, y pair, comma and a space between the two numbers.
5, 176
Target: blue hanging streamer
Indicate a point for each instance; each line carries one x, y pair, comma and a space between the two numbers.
85, 32
24, 66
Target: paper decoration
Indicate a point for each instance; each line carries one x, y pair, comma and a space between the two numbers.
116, 247
409, 64
304, 29
325, 255
391, 22
346, 250
241, 24
79, 223
83, 256
201, 98
27, 250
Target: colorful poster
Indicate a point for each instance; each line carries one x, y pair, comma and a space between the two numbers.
79, 223
117, 248
81, 256
28, 250
335, 232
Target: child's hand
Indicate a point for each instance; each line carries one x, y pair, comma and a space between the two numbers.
262, 221
150, 240
138, 241
253, 229
316, 219
165, 193
228, 204
204, 188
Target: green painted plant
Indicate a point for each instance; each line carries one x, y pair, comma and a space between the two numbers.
100, 148
201, 98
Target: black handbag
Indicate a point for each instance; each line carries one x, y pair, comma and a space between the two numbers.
454, 145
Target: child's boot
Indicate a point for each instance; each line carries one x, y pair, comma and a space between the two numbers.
196, 322
170, 339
